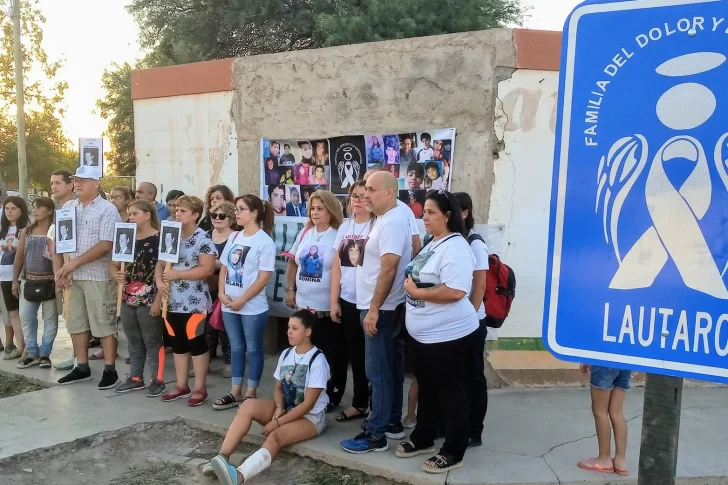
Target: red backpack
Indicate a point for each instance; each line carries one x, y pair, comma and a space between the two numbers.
500, 288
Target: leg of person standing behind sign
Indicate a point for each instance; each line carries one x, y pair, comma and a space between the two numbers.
608, 390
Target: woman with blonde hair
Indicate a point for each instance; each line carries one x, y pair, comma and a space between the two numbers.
142, 303
308, 279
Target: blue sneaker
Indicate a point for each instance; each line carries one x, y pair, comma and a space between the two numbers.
225, 472
364, 443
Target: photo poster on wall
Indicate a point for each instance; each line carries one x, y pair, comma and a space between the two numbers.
291, 170
91, 154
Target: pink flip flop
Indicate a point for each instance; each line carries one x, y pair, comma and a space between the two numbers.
621, 473
592, 466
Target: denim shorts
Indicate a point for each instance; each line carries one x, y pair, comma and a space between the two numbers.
607, 378
318, 420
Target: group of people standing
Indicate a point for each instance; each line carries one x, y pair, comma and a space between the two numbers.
362, 289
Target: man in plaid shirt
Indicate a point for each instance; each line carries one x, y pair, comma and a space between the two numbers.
86, 275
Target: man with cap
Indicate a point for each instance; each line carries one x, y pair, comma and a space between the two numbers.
85, 273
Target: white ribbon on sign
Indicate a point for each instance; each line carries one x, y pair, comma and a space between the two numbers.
348, 178
675, 231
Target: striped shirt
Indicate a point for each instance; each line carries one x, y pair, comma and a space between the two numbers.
94, 223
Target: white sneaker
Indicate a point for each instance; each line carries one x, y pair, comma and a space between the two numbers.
207, 469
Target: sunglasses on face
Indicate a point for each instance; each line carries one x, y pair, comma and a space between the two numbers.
218, 216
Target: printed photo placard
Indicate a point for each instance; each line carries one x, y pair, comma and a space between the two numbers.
124, 242
169, 241
91, 154
66, 230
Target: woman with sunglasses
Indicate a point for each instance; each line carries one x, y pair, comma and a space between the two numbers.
247, 265
223, 224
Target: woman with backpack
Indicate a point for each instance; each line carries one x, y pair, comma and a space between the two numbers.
477, 389
445, 329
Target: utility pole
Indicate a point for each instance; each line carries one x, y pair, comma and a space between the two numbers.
660, 430
19, 101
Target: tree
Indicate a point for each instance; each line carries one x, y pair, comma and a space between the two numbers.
47, 147
118, 109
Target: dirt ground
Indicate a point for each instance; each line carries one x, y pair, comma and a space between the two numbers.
12, 385
158, 454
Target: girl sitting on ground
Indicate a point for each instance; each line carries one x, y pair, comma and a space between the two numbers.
297, 413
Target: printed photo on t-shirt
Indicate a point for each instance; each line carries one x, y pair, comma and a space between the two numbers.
235, 263
293, 383
413, 269
351, 252
312, 263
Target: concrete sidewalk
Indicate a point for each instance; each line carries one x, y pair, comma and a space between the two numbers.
531, 436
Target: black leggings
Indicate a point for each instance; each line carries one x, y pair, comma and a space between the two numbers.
187, 333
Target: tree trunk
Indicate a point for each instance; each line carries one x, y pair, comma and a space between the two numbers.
660, 430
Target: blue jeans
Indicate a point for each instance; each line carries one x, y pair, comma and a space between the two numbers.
384, 364
29, 322
246, 335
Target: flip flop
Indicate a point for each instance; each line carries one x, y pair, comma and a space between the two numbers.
342, 417
226, 402
621, 473
592, 466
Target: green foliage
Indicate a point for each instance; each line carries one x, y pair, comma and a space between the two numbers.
47, 147
118, 109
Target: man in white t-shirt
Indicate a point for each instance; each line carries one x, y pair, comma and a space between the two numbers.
379, 291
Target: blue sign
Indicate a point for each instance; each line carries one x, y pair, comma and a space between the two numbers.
638, 241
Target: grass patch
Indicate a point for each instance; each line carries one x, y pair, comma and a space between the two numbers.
152, 474
14, 385
326, 475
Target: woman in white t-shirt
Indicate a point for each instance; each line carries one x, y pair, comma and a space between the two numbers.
297, 412
247, 263
477, 387
444, 326
14, 218
308, 283
348, 255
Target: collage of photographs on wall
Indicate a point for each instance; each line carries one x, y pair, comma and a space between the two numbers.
291, 170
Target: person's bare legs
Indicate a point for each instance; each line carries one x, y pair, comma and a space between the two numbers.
17, 330
619, 424
260, 411
289, 434
110, 345
9, 334
80, 346
600, 410
181, 366
201, 365
412, 402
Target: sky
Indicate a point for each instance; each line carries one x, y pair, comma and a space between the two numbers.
92, 34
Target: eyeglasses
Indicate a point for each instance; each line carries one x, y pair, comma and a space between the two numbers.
356, 197
238, 210
218, 216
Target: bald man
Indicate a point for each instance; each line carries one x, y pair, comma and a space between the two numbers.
411, 220
379, 291
148, 191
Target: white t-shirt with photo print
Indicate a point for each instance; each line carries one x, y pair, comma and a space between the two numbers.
244, 258
350, 245
313, 252
448, 261
296, 377
8, 250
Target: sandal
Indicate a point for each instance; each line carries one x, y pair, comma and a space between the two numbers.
342, 416
441, 464
199, 400
407, 449
226, 402
591, 465
331, 407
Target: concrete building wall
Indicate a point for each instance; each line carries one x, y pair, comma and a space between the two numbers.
383, 87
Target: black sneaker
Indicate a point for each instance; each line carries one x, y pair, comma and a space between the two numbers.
75, 376
475, 442
395, 431
108, 380
45, 362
